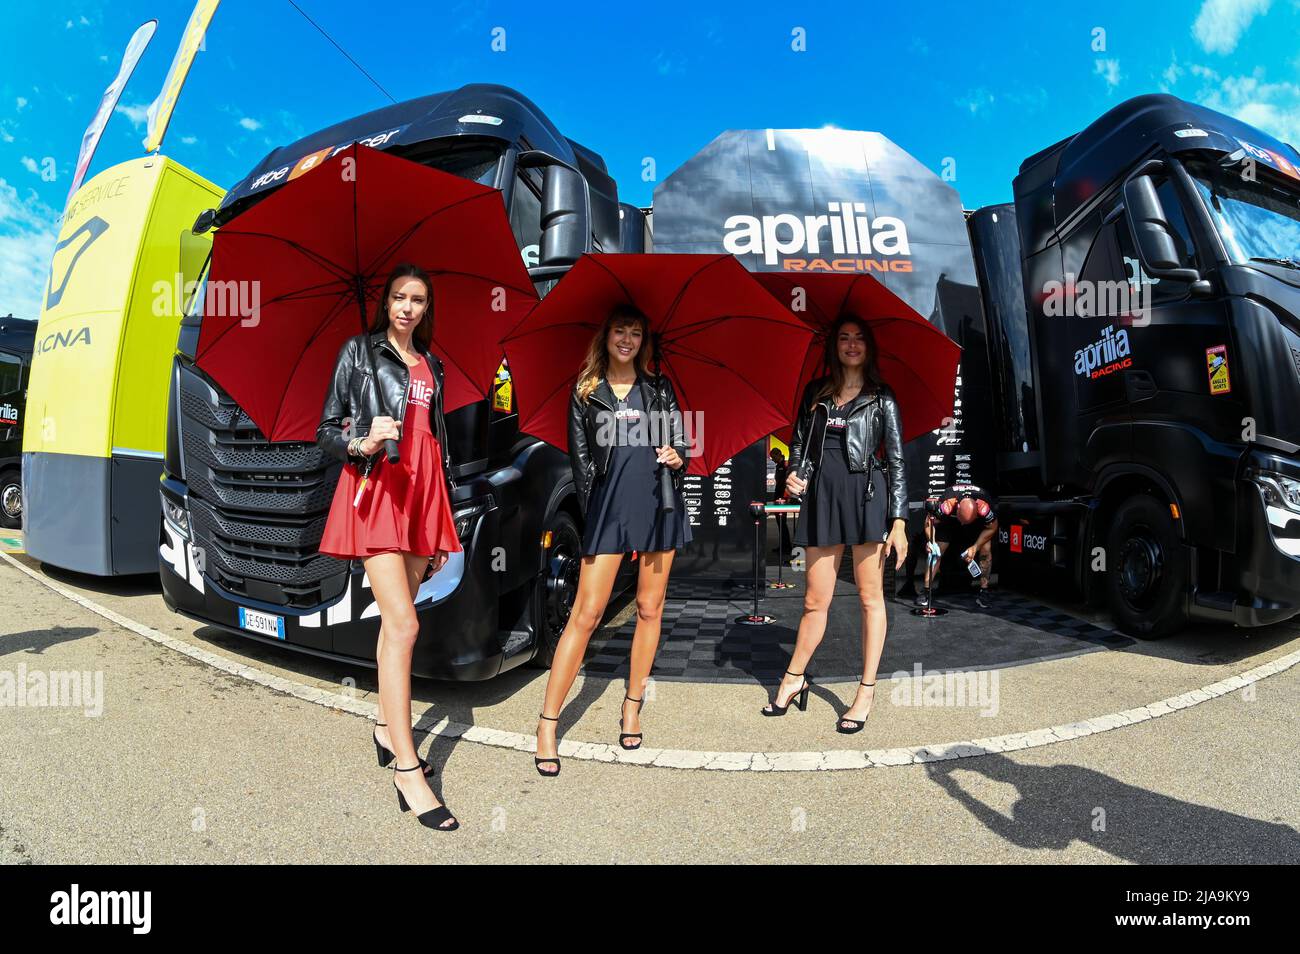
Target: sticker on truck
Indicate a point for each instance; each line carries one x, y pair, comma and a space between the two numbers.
1216, 366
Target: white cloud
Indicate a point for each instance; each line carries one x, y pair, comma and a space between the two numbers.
27, 236
5, 134
1173, 72
977, 101
1272, 107
250, 123
30, 165
189, 140
138, 114
22, 101
1220, 24
1108, 70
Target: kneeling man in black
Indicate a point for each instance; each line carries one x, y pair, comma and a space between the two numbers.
965, 515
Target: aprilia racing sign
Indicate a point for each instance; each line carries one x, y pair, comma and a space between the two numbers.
842, 240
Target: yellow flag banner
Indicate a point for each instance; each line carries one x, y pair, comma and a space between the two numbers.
160, 110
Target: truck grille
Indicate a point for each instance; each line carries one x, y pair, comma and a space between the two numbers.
257, 508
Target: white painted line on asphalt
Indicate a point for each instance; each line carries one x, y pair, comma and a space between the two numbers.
832, 760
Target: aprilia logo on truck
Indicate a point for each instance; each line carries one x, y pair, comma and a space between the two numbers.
1106, 355
774, 236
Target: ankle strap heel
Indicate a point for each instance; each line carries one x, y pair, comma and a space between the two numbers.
538, 763
625, 737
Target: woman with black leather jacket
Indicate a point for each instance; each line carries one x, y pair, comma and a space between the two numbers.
852, 499
624, 427
394, 516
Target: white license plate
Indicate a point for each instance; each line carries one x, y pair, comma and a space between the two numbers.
268, 624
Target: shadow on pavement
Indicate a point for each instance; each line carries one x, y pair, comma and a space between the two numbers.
1057, 805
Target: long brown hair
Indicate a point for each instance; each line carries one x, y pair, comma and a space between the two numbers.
871, 379
423, 334
596, 364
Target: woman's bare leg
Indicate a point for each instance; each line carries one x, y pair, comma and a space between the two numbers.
651, 583
823, 566
595, 583
390, 582
868, 573
416, 572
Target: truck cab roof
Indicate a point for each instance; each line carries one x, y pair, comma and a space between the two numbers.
17, 335
476, 110
1055, 182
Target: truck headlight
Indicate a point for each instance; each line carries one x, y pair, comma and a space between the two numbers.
1279, 491
177, 516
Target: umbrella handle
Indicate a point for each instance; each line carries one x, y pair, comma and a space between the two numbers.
802, 473
390, 445
667, 498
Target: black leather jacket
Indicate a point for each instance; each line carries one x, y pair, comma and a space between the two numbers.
351, 395
872, 420
589, 457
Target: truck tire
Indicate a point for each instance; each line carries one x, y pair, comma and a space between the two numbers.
1147, 578
558, 585
11, 500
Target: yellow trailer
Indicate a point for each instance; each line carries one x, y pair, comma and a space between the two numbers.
97, 399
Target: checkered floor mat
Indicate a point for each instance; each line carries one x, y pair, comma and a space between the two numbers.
702, 640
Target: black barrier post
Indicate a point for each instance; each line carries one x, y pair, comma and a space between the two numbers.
781, 509
759, 511
929, 610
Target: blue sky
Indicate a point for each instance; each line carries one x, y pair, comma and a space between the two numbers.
983, 84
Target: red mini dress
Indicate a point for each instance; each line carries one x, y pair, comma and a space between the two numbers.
404, 506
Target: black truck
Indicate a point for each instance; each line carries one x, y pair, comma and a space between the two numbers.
1130, 375
1143, 304
242, 517
17, 340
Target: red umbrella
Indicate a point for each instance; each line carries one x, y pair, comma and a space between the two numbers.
723, 341
916, 359
315, 255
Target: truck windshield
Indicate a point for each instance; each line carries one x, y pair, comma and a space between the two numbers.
476, 161
1258, 221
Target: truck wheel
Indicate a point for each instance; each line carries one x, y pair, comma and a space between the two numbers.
1146, 582
554, 594
11, 500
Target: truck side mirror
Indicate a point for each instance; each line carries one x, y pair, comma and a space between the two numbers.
566, 213
566, 218
204, 222
1151, 232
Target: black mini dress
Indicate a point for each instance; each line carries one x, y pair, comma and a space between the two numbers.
623, 513
836, 510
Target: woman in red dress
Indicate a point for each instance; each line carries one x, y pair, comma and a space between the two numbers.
394, 517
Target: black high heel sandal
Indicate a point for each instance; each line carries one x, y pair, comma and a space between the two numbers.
434, 817
624, 736
772, 709
385, 756
538, 763
855, 725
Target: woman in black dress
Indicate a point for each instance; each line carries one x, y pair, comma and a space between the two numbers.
852, 499
624, 426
